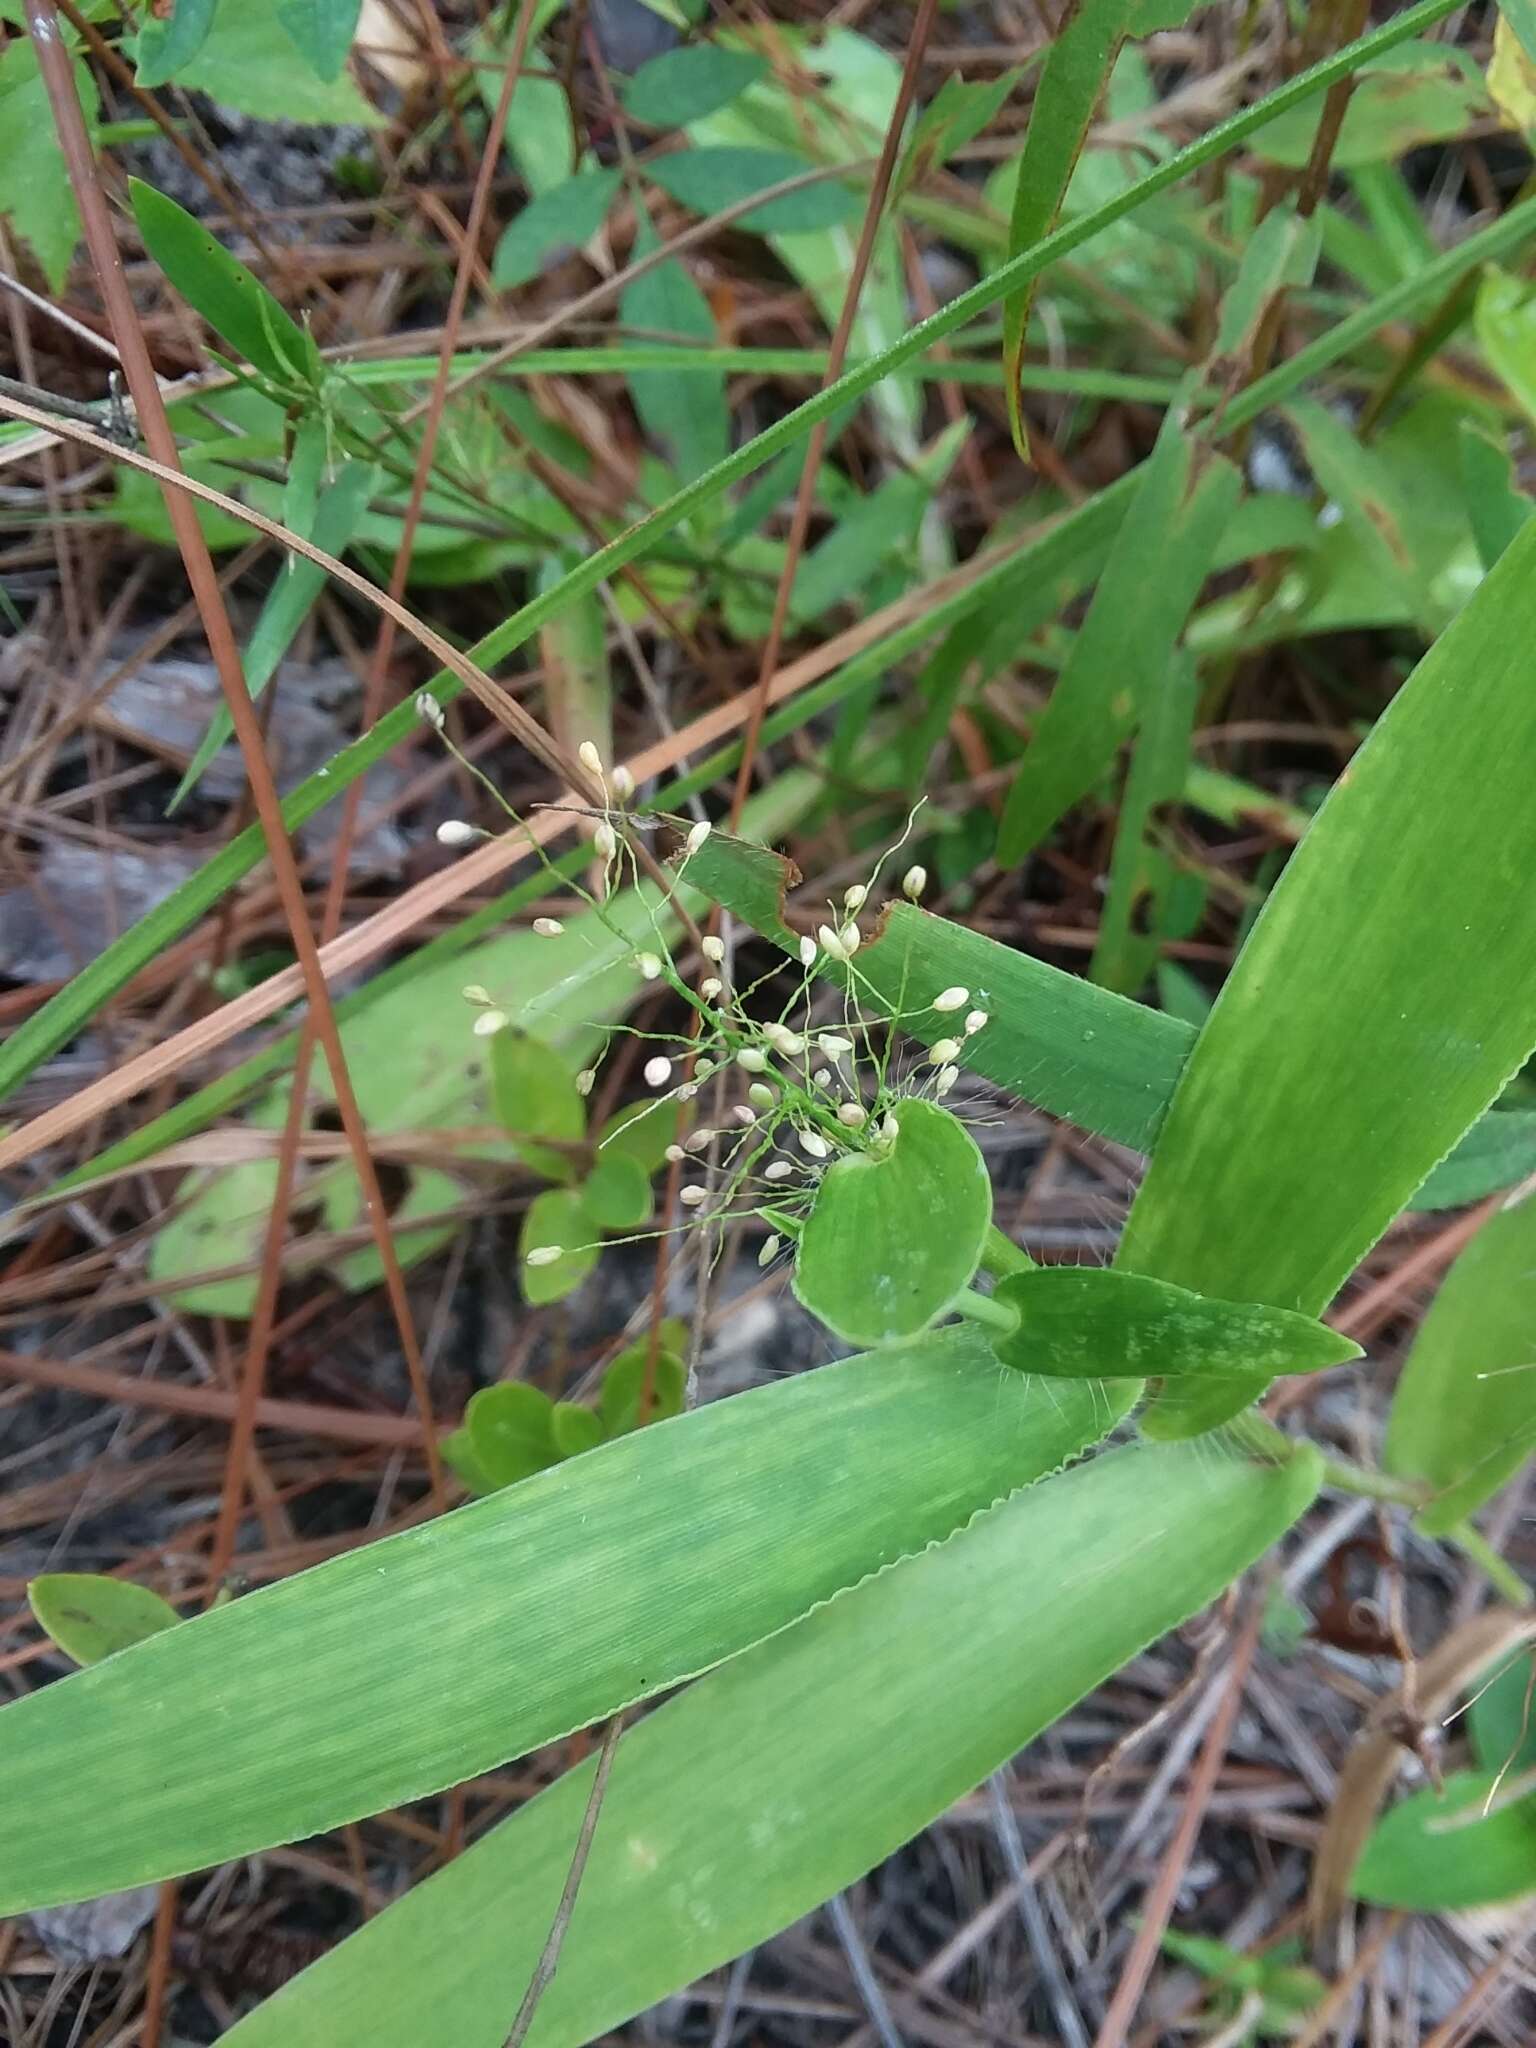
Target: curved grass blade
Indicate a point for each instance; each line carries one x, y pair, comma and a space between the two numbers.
436, 1654
59, 1020
1386, 994
779, 1780
1464, 1412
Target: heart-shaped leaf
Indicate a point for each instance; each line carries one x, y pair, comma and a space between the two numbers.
619, 1404
896, 1236
1073, 1318
533, 1093
555, 1222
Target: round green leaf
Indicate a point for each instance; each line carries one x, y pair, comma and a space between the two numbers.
533, 1095
459, 1455
556, 1218
618, 1405
511, 1431
617, 1193
576, 1429
894, 1239
1078, 1322
643, 1130
90, 1616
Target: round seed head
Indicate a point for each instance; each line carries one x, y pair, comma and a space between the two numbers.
590, 759
548, 927
488, 1023
814, 1143
673, 1153
698, 835
852, 1114
697, 1141
543, 1255
822, 1077
856, 897
751, 1061
943, 1051
914, 882
658, 1072
458, 832
769, 1252
688, 1091
740, 1114
710, 987
428, 710
976, 1021
952, 999
648, 965
712, 949
694, 1198
762, 1095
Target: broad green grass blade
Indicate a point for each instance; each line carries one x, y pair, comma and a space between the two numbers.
1386, 994
1055, 1040
1464, 1413
1122, 654
441, 1652
780, 1779
59, 1020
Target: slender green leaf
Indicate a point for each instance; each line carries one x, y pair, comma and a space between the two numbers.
165, 45
709, 179
1385, 995
338, 512
91, 1616
1159, 560
563, 217
1521, 16
691, 420
233, 302
777, 1781
1077, 69
1464, 1412
1129, 942
436, 1654
683, 85
871, 1263
322, 30
1437, 1851
1073, 1318
61, 1018
956, 115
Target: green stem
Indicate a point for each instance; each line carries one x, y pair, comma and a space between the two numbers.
1475, 1547
1254, 1432
1000, 1256
981, 1308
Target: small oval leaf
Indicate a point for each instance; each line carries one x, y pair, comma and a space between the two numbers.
576, 1429
555, 1220
562, 218
684, 85
616, 1194
893, 1240
619, 1404
91, 1616
708, 180
1438, 1851
511, 1431
1078, 1322
533, 1095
